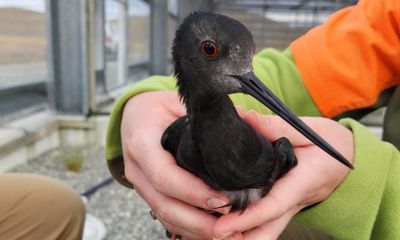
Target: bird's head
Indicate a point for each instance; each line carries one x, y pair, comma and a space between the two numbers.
209, 50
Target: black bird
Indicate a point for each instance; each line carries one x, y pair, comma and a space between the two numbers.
213, 58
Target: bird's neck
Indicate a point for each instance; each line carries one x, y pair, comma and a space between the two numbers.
199, 104
197, 97
207, 114
207, 109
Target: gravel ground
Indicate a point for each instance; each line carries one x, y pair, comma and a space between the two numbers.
123, 212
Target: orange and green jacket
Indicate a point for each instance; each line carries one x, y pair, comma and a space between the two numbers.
348, 61
343, 65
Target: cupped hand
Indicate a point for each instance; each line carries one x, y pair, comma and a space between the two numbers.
314, 178
174, 194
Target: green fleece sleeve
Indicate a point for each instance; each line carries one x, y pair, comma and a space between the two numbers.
276, 69
366, 205
113, 138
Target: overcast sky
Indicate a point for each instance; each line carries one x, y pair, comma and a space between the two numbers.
136, 7
35, 5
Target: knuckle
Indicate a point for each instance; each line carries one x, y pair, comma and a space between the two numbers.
137, 147
134, 142
191, 196
199, 229
277, 127
130, 145
283, 128
126, 175
277, 208
158, 180
324, 193
163, 213
169, 227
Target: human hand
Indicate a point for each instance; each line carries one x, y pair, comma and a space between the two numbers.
173, 193
314, 178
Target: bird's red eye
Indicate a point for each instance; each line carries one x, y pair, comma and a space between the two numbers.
209, 49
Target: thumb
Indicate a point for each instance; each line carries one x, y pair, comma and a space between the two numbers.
273, 229
274, 127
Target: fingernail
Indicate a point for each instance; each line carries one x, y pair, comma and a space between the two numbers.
214, 203
224, 236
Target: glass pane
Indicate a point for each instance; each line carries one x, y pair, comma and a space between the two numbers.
114, 34
23, 58
23, 43
138, 32
172, 26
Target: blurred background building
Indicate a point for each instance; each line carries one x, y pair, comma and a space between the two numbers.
73, 56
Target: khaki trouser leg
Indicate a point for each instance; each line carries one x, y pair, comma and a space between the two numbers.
296, 231
38, 207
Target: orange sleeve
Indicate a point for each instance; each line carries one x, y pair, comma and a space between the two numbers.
346, 62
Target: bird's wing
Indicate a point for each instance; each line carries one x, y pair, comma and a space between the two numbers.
172, 135
178, 141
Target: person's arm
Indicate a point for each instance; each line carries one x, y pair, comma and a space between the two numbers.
113, 138
366, 204
350, 60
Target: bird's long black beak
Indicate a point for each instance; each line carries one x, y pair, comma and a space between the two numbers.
250, 84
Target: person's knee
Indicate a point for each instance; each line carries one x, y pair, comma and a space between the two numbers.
61, 201
48, 208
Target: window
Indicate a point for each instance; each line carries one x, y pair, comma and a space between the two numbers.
23, 61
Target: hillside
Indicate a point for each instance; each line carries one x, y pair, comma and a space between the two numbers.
22, 36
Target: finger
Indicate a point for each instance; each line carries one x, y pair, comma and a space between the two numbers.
274, 127
179, 231
240, 110
230, 236
173, 103
161, 109
170, 210
188, 218
167, 99
170, 179
271, 230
